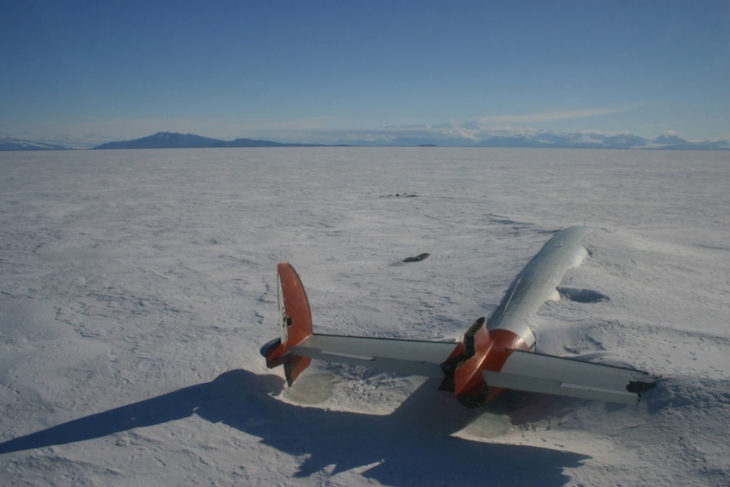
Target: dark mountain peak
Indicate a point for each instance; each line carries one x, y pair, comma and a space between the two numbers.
164, 140
175, 140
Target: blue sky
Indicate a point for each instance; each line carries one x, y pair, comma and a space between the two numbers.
91, 71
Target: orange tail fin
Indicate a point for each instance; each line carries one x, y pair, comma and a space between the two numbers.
295, 322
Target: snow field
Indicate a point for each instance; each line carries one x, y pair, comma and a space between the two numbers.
136, 288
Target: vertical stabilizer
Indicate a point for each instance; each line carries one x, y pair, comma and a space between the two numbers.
295, 324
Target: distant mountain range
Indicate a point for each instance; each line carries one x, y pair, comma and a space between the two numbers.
544, 139
20, 144
170, 140
534, 139
413, 138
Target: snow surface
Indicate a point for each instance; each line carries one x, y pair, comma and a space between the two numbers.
136, 288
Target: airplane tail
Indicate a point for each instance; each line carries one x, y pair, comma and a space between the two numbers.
295, 322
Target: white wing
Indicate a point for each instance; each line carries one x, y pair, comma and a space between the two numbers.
535, 372
402, 356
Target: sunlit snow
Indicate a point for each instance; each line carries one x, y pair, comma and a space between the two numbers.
136, 288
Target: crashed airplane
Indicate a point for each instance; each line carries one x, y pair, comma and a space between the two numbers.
494, 355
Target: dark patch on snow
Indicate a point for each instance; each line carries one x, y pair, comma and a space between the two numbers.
582, 295
638, 387
417, 258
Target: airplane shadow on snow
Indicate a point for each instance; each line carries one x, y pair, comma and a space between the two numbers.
411, 445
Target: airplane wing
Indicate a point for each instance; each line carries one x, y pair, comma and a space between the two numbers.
536, 372
522, 371
414, 357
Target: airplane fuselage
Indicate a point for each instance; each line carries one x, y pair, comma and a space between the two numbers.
508, 328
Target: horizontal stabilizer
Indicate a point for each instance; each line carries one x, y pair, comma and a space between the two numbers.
534, 372
412, 357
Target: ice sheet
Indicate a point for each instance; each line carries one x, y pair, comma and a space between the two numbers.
136, 288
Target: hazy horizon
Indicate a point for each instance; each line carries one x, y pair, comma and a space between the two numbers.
327, 72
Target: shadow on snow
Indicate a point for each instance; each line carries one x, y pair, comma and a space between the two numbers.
411, 445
